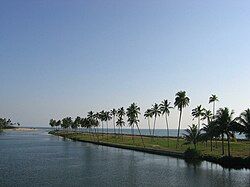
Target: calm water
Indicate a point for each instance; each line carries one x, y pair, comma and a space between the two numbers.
38, 159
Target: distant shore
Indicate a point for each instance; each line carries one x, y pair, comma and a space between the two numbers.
158, 146
20, 129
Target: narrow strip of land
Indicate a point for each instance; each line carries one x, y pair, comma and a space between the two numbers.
161, 145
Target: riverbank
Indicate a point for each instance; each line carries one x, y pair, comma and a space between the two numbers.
159, 145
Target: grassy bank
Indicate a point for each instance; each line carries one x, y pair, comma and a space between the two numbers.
240, 150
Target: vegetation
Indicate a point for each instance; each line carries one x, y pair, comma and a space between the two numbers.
218, 128
7, 124
181, 101
244, 120
165, 109
192, 135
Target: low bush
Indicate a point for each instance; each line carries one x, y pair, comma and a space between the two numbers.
192, 153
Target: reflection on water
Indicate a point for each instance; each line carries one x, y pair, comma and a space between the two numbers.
36, 158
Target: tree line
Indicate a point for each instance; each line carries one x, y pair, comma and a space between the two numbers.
218, 124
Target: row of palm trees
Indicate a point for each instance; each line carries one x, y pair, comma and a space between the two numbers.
133, 112
219, 125
181, 101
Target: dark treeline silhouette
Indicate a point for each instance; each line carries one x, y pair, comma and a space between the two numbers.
219, 125
7, 123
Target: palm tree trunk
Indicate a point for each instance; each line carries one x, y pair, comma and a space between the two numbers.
228, 144
154, 126
140, 135
96, 134
102, 128
107, 129
211, 143
114, 124
149, 126
132, 130
121, 133
178, 134
167, 127
222, 146
199, 122
213, 109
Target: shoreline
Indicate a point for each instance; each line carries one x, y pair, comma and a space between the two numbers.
224, 161
20, 129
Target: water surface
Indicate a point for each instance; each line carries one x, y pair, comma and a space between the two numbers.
36, 158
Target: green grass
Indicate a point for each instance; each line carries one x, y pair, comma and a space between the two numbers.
238, 149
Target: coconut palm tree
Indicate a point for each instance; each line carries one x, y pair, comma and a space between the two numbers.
94, 123
113, 113
155, 110
120, 123
165, 109
107, 118
181, 101
133, 112
210, 132
227, 125
90, 115
52, 123
192, 135
207, 114
102, 118
197, 113
148, 114
58, 123
213, 99
244, 120
76, 123
66, 122
120, 114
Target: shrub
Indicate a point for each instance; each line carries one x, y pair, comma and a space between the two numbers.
192, 153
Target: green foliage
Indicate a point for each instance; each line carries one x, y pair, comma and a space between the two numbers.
244, 120
6, 123
192, 135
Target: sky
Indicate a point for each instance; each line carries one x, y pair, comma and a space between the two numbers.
64, 58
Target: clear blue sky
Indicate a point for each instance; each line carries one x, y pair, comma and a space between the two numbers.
64, 58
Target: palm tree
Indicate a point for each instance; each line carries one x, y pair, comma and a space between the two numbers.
107, 118
181, 101
210, 132
212, 99
90, 115
102, 118
148, 114
155, 110
133, 112
244, 120
120, 122
192, 135
120, 114
197, 113
113, 112
52, 123
227, 125
76, 123
58, 123
165, 109
66, 122
207, 114
95, 123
